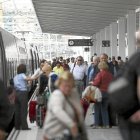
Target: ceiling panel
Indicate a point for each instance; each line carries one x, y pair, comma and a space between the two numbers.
80, 17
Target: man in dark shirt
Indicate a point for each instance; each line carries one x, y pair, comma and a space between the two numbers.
130, 129
114, 66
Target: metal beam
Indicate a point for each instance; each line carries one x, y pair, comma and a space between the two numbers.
92, 2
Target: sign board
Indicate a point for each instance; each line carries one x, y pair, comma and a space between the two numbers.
80, 42
106, 43
86, 49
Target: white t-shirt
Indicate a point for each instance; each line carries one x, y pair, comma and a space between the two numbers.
79, 71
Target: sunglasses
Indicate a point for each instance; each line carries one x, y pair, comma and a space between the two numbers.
79, 60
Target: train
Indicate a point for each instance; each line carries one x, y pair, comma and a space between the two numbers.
13, 52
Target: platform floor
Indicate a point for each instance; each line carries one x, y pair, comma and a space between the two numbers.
94, 134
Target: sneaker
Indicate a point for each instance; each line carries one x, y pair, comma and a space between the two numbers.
106, 127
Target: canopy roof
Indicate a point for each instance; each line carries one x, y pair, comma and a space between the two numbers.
80, 17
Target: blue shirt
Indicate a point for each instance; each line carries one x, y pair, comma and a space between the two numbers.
90, 73
20, 82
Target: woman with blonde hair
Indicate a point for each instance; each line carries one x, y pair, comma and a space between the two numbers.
64, 118
102, 81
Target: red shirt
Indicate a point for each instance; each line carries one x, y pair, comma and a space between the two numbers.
102, 80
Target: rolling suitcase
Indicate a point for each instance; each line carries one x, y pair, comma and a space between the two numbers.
40, 115
32, 111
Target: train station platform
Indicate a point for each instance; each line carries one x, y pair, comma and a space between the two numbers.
94, 134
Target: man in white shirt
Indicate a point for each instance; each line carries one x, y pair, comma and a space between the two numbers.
79, 72
71, 63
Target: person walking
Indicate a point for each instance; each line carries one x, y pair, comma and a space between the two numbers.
21, 102
65, 115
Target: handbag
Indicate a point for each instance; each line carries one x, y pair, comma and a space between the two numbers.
82, 131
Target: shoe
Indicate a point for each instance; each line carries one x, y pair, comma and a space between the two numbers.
106, 127
96, 127
92, 125
26, 128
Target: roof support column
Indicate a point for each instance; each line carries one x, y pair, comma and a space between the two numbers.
102, 37
93, 48
113, 39
122, 43
98, 43
139, 20
107, 37
131, 32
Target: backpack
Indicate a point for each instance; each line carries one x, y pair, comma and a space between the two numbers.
123, 90
51, 84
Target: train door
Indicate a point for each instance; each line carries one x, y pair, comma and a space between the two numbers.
2, 61
35, 60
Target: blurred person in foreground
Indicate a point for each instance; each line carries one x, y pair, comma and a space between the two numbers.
64, 120
4, 111
130, 128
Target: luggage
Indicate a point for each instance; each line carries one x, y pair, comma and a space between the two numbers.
32, 111
85, 104
42, 99
40, 115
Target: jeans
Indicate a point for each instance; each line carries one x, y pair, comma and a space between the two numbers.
101, 111
79, 86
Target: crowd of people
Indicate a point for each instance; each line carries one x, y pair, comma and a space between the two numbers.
70, 73
73, 85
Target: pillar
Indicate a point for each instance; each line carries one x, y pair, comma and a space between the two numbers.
113, 39
98, 43
139, 20
107, 37
102, 37
131, 32
92, 48
122, 42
